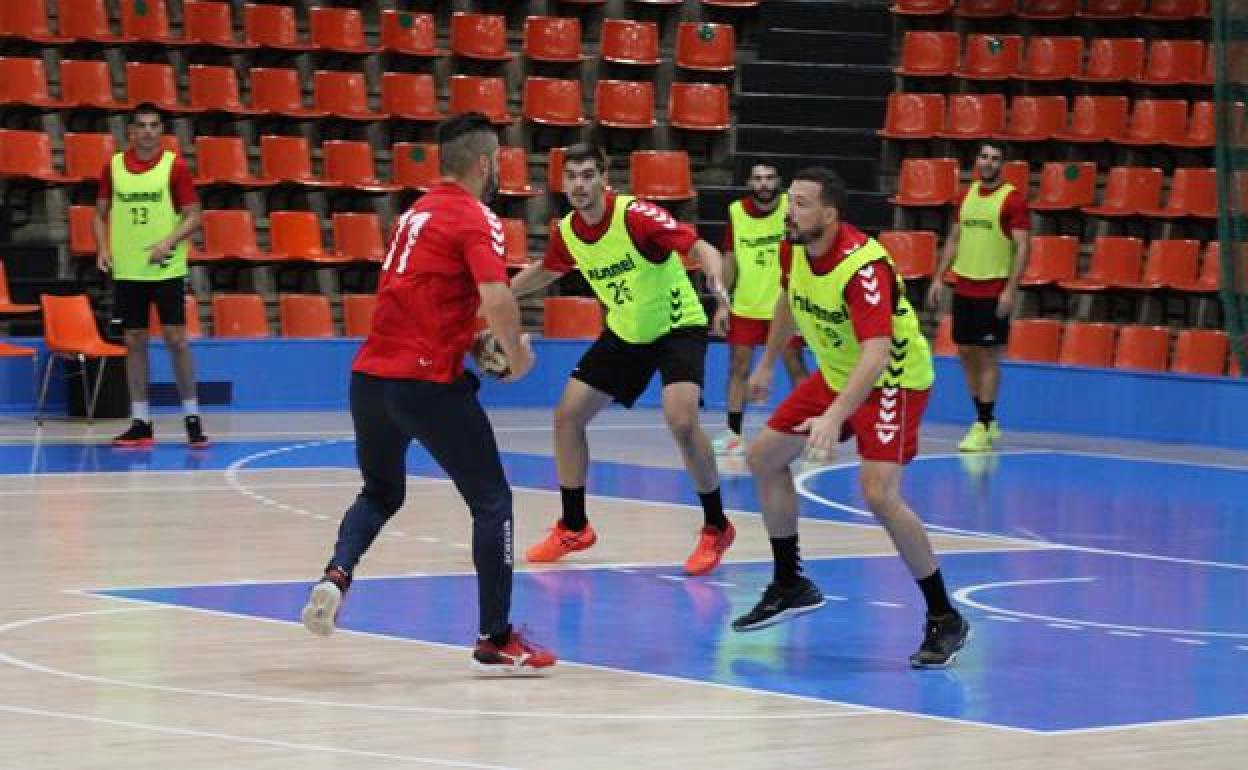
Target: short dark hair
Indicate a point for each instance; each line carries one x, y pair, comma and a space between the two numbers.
997, 145
774, 168
831, 187
583, 151
462, 139
147, 108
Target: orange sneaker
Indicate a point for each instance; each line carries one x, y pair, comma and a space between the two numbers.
519, 657
710, 549
560, 542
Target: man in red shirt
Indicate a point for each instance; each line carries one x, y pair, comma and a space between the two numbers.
445, 266
987, 251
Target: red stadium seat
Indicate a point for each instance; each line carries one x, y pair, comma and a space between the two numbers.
1034, 118
357, 313
625, 104
1143, 347
1113, 59
487, 95
239, 315
706, 47
571, 318
913, 252
553, 101
661, 175
1116, 261
410, 96
913, 116
928, 53
339, 29
1201, 351
272, 26
553, 39
304, 315
1129, 191
86, 155
357, 236
927, 182
279, 91
343, 95
1096, 119
479, 36
1051, 260
990, 57
1051, 58
513, 173
974, 116
1038, 340
1088, 344
25, 81
630, 42
699, 107
411, 34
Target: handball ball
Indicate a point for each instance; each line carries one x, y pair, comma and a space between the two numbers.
489, 355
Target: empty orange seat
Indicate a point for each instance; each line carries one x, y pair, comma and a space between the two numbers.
414, 165
927, 182
1201, 126
706, 47
479, 36
209, 22
350, 164
928, 53
25, 81
571, 318
554, 170
81, 233
1096, 119
272, 26
661, 175
304, 315
922, 7
342, 94
146, 21
1017, 173
625, 104
990, 57
516, 242
553, 39
239, 315
230, 234
553, 101
86, 20
1113, 59
70, 331
1171, 10
1034, 118
1170, 263
1109, 10
216, 88
983, 9
1209, 277
87, 83
296, 235
1143, 347
1193, 193
1156, 121
28, 21
86, 155
1117, 260
287, 159
1129, 191
338, 29
1051, 58
1046, 10
1172, 62
1088, 344
1051, 260
27, 155
487, 95
357, 313
357, 236
943, 344
974, 116
913, 252
223, 160
153, 84
1038, 340
412, 34
193, 328
913, 116
699, 107
410, 96
276, 89
1200, 351
513, 172
630, 42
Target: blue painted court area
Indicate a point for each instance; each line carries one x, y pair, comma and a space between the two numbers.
1137, 612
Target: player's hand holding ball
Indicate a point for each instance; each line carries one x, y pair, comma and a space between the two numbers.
492, 361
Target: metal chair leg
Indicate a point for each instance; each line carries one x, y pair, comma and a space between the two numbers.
43, 390
95, 393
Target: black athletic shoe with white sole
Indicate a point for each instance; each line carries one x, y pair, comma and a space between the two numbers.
943, 636
780, 603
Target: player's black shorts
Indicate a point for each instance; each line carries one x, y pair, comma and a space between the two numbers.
132, 300
622, 370
975, 322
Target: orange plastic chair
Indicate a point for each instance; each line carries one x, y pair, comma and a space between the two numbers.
553, 101
1113, 59
1051, 58
288, 159
1034, 118
413, 34
1193, 193
630, 42
1046, 10
943, 344
223, 160
516, 242
913, 116
147, 21
1171, 10
974, 116
239, 316
304, 315
984, 9
1018, 174
625, 104
193, 328
272, 26
1109, 10
81, 234
357, 314
342, 94
554, 170
27, 155
1209, 277
87, 83
70, 332
1129, 191
7, 305
913, 252
698, 107
553, 39
230, 234
1088, 344
414, 165
153, 84
338, 29
209, 22
479, 36
410, 96
706, 47
1116, 260
661, 175
486, 95
25, 81
1201, 126
1201, 351
921, 7
1207, 72
1038, 340
1170, 263
927, 182
350, 164
1156, 121
513, 173
990, 57
357, 236
86, 20
1096, 119
1051, 260
214, 88
573, 318
928, 54
1172, 62
275, 89
1143, 347
28, 21
86, 155
296, 235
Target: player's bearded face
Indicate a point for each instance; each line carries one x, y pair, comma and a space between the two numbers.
988, 165
764, 188
808, 217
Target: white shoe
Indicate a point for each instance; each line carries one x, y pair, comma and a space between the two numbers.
728, 444
321, 612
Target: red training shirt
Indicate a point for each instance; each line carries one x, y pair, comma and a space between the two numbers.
181, 185
442, 248
654, 232
868, 295
1014, 216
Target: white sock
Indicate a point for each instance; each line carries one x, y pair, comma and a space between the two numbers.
139, 411
190, 406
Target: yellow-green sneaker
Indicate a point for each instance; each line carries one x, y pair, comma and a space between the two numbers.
976, 439
994, 432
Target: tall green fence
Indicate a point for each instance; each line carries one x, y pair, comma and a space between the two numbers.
1230, 32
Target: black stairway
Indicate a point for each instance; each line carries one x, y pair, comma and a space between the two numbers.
816, 96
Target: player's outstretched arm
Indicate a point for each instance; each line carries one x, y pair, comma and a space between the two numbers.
503, 316
533, 278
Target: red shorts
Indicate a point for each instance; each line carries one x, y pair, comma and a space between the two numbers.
748, 332
886, 425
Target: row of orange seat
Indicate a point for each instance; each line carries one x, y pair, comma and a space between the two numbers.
698, 45
1104, 345
1130, 191
1056, 10
928, 53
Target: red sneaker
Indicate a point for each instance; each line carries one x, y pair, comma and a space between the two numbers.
559, 542
519, 657
137, 436
710, 549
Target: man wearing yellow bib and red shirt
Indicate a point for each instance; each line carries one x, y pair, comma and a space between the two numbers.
146, 210
872, 383
987, 251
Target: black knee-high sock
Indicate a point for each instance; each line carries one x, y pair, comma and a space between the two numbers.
788, 564
735, 419
573, 508
713, 509
984, 410
933, 588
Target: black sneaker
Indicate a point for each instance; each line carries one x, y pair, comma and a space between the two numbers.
781, 603
195, 432
320, 614
943, 636
139, 434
